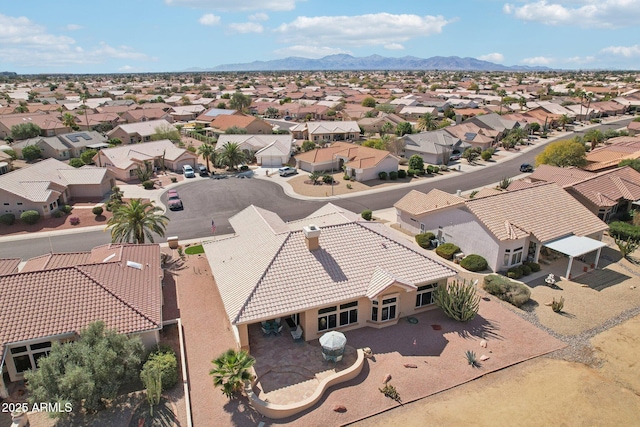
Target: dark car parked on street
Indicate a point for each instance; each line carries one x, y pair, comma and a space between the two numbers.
526, 167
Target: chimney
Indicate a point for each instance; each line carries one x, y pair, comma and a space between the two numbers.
312, 235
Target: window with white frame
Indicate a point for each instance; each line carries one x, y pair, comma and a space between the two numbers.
26, 357
327, 318
388, 311
425, 295
516, 256
349, 313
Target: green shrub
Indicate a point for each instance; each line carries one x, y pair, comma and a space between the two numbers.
7, 219
486, 155
327, 179
167, 364
367, 214
474, 262
623, 231
97, 210
534, 266
447, 250
526, 270
76, 162
507, 290
517, 271
402, 173
458, 300
382, 175
66, 209
393, 175
444, 168
436, 169
30, 217
511, 275
625, 216
421, 172
148, 185
411, 173
346, 177
57, 214
429, 170
244, 168
174, 179
424, 239
349, 186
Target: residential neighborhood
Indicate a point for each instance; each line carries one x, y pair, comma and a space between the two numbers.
269, 247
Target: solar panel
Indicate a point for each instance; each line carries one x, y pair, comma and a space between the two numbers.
75, 137
469, 135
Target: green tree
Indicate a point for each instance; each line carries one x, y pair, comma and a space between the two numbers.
534, 127
369, 102
69, 120
564, 120
633, 163
87, 156
87, 372
31, 152
240, 101
76, 162
271, 112
386, 128
165, 132
416, 162
21, 109
232, 155
232, 371
563, 153
426, 122
315, 177
145, 172
235, 130
471, 155
308, 145
404, 128
594, 136
136, 221
25, 131
206, 150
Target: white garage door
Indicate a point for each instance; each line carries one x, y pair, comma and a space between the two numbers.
271, 161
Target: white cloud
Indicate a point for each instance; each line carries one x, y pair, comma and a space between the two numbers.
394, 46
583, 13
579, 60
74, 27
209, 19
310, 51
260, 16
492, 57
378, 29
246, 27
537, 60
227, 5
24, 43
626, 51
126, 68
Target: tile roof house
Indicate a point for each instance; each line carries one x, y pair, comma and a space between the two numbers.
374, 124
253, 125
271, 151
133, 133
145, 115
64, 146
471, 133
610, 155
124, 160
362, 163
49, 123
49, 184
506, 228
320, 132
308, 272
435, 147
57, 295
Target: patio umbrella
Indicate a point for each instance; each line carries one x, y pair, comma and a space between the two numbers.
333, 340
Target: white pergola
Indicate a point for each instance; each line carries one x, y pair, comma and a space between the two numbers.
575, 246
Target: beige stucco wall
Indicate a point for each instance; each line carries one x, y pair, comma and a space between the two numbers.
387, 165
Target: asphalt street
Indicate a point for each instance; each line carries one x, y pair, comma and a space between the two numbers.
218, 200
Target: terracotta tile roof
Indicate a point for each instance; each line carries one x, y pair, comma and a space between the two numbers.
418, 203
381, 280
487, 192
126, 296
9, 265
225, 121
534, 210
49, 261
356, 156
608, 188
518, 184
261, 274
124, 156
147, 128
561, 176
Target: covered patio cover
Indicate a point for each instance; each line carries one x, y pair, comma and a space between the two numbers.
575, 246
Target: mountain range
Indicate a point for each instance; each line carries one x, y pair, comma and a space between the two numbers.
372, 62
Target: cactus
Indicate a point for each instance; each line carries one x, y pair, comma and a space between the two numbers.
557, 306
458, 300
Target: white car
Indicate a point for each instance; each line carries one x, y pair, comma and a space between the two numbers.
188, 171
287, 170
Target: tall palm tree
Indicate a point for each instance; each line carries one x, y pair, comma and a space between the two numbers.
232, 155
136, 221
69, 120
232, 370
594, 136
205, 150
564, 120
426, 122
501, 93
387, 127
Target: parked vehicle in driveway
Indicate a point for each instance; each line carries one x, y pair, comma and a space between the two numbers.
287, 170
188, 171
202, 170
174, 201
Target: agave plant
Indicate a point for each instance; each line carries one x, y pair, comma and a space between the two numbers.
471, 359
558, 305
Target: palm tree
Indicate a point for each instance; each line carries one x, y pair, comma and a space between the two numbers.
517, 134
232, 155
563, 120
205, 150
135, 221
69, 120
580, 94
501, 93
387, 127
426, 122
232, 370
594, 136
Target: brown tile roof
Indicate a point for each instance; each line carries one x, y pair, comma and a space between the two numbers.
541, 210
49, 261
418, 203
608, 188
225, 121
487, 192
618, 149
9, 265
561, 176
357, 156
126, 296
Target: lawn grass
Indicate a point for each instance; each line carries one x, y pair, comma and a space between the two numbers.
193, 250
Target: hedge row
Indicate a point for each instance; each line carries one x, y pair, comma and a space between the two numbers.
624, 231
512, 292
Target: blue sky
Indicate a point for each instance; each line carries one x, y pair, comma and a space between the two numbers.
69, 36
